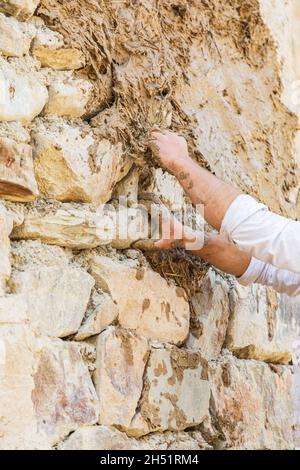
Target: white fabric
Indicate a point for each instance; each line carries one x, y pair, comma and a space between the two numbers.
263, 234
272, 240
284, 282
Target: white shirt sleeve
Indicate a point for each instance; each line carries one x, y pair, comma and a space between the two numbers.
263, 234
284, 282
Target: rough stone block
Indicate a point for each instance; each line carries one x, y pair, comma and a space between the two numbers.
18, 428
252, 404
64, 397
99, 438
5, 267
72, 228
21, 9
210, 316
120, 364
23, 95
101, 313
146, 302
57, 298
15, 37
48, 47
71, 165
168, 188
17, 179
263, 325
108, 438
68, 96
13, 310
176, 393
131, 225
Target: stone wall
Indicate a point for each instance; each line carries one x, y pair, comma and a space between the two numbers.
102, 346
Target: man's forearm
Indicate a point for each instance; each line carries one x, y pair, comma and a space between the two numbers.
224, 256
204, 188
201, 186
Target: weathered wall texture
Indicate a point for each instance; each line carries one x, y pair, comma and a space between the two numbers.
100, 346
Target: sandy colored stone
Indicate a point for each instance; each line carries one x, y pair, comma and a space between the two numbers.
296, 394
146, 302
102, 312
171, 440
49, 48
263, 325
99, 438
45, 389
15, 37
118, 377
252, 404
16, 381
68, 96
5, 266
29, 254
13, 309
23, 95
210, 316
64, 397
131, 224
168, 188
17, 179
71, 165
175, 394
128, 187
79, 229
21, 9
57, 298
108, 438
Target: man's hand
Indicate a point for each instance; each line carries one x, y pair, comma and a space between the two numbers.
170, 149
176, 235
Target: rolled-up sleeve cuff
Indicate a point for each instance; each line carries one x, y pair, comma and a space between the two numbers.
243, 207
252, 273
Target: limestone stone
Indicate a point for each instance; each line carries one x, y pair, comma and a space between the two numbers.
146, 302
168, 188
48, 47
5, 266
210, 316
99, 438
131, 225
252, 404
128, 186
63, 397
71, 165
176, 393
57, 298
23, 95
170, 440
15, 37
263, 325
13, 310
17, 179
45, 389
72, 228
29, 254
102, 312
68, 96
21, 9
296, 400
108, 438
120, 364
18, 429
